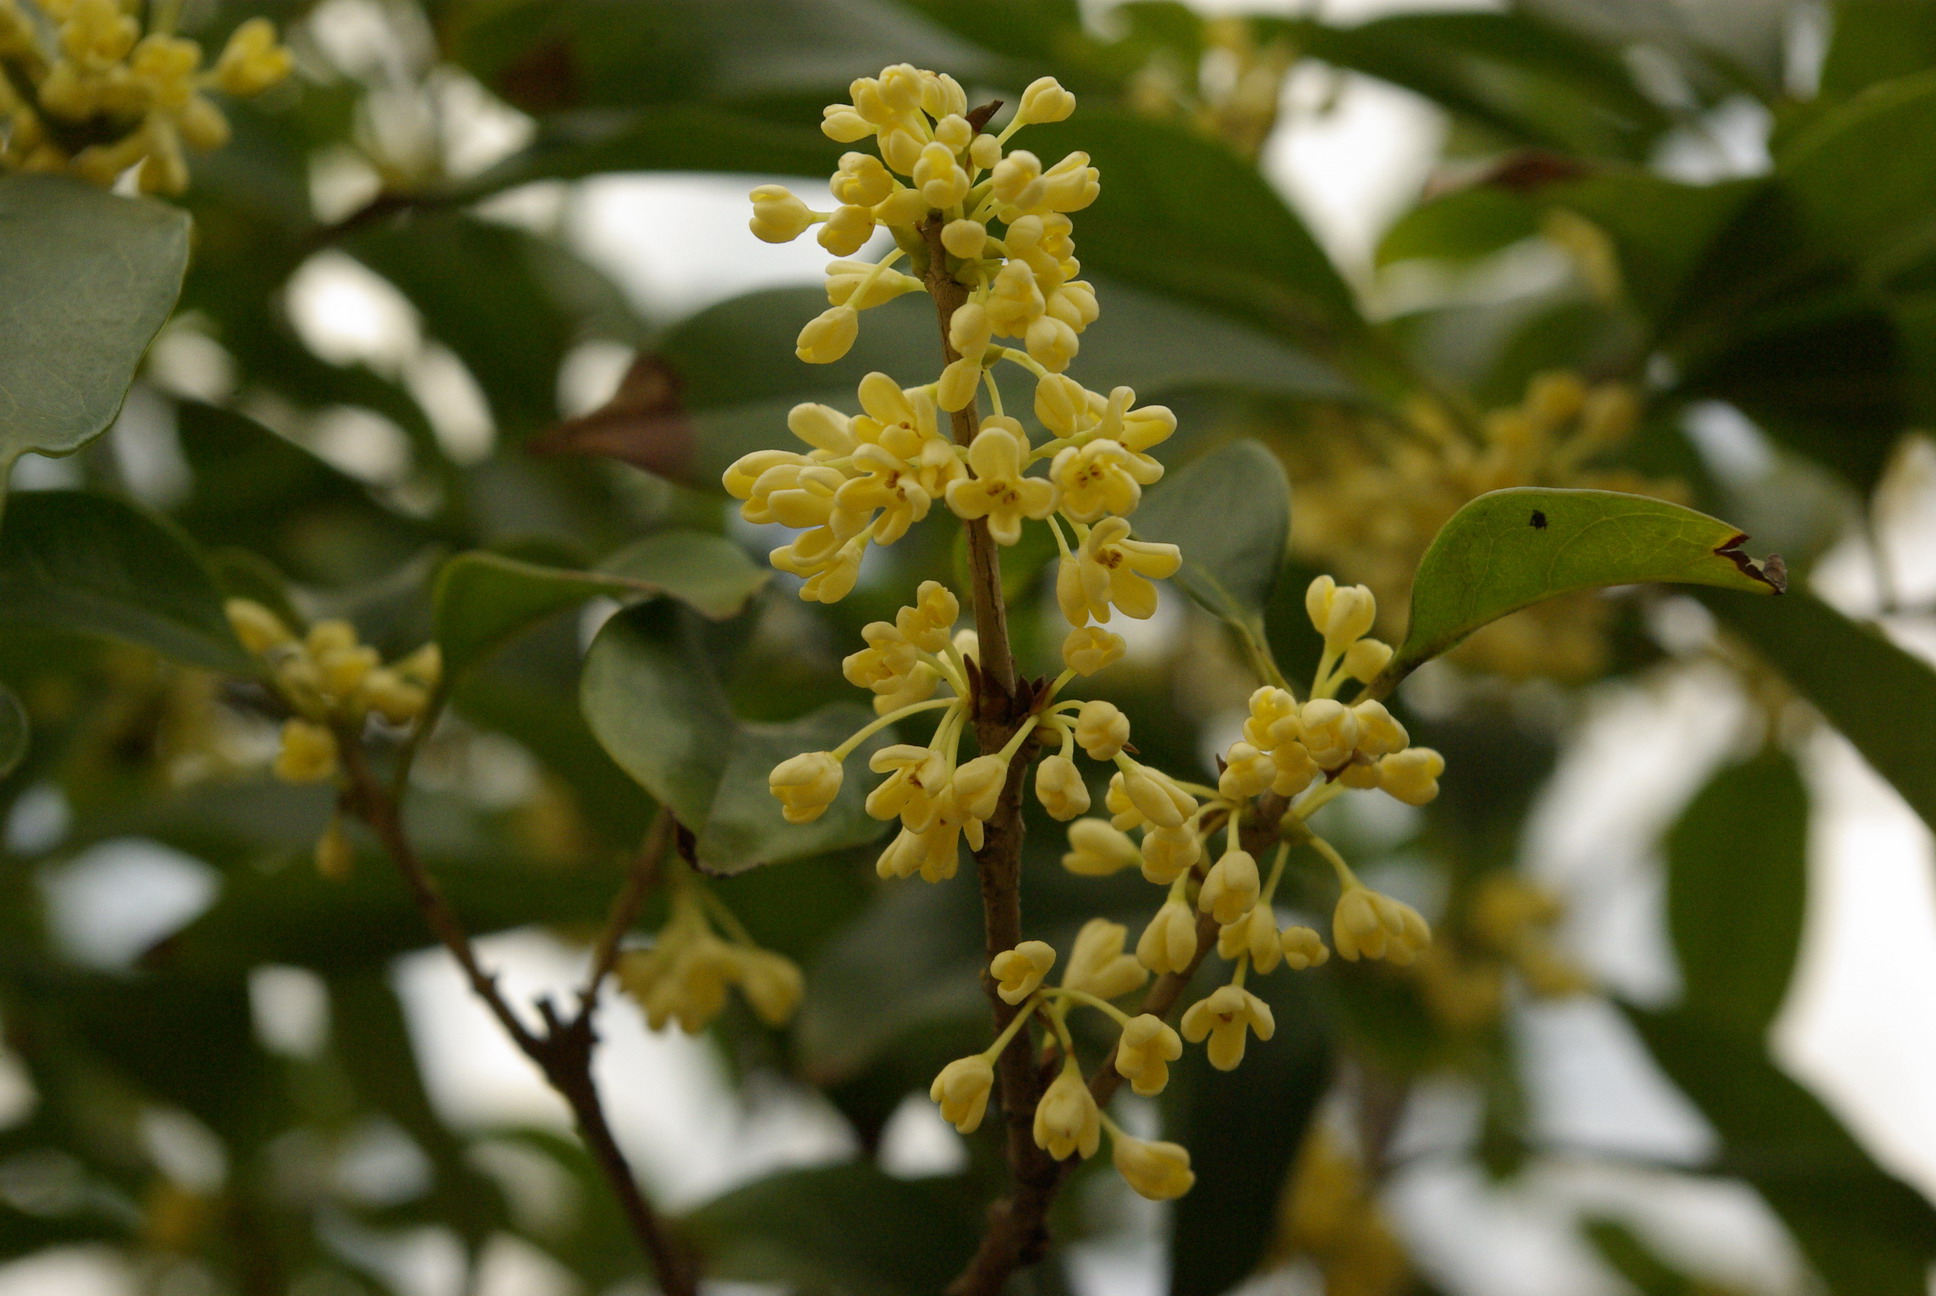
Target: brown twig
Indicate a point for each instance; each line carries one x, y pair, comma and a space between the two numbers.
562, 1049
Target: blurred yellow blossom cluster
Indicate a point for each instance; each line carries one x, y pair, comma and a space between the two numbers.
683, 977
1506, 928
1331, 1217
1233, 92
85, 90
1369, 503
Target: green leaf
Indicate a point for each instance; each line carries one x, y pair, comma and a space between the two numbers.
1737, 888
1511, 548
1464, 225
482, 599
1879, 696
1184, 214
87, 279
14, 733
1865, 1232
1860, 177
1528, 79
1877, 40
93, 565
851, 1229
653, 701
1230, 514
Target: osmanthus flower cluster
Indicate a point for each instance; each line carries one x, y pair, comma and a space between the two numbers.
335, 686
685, 974
83, 89
946, 189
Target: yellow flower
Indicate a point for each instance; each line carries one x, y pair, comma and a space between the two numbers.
1379, 733
308, 753
806, 785
1144, 1052
1102, 730
1340, 613
861, 180
1225, 1018
1303, 948
1254, 935
962, 1091
1097, 849
1159, 1171
846, 230
1329, 731
1169, 853
1097, 963
252, 61
778, 216
1066, 1119
1366, 658
978, 785
256, 626
1141, 795
1370, 924
1020, 970
915, 776
1247, 772
1045, 101
1089, 649
1412, 775
1060, 789
1112, 570
1231, 886
1169, 943
771, 983
1101, 477
998, 491
828, 335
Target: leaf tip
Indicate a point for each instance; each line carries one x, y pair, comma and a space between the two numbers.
1770, 571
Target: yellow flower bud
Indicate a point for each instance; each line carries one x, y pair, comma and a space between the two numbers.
847, 229
1412, 775
1340, 613
939, 177
308, 753
1169, 943
958, 383
252, 61
962, 1091
806, 785
1144, 1051
985, 151
1097, 963
1169, 853
978, 785
1045, 101
1097, 850
964, 238
1370, 924
1019, 971
772, 985
335, 857
1364, 659
1159, 1171
1060, 789
1231, 887
1066, 1119
1329, 731
1090, 648
394, 698
1379, 733
827, 337
778, 216
862, 180
256, 626
1101, 729
1303, 948
1247, 772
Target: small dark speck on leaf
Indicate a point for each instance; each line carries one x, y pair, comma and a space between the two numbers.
1539, 520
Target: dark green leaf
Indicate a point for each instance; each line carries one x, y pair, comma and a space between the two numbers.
849, 1229
482, 599
1865, 1232
1633, 1260
1230, 513
653, 701
1878, 40
93, 565
1737, 888
1860, 179
1461, 226
1880, 697
86, 281
1183, 214
14, 733
1511, 548
1526, 78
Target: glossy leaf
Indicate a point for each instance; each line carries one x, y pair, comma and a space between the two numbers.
1511, 548
1737, 888
1859, 176
86, 281
482, 599
93, 565
653, 701
1879, 696
1865, 1232
14, 733
849, 1228
1244, 252
1230, 513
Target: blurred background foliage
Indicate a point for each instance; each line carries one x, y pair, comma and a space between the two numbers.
1571, 301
